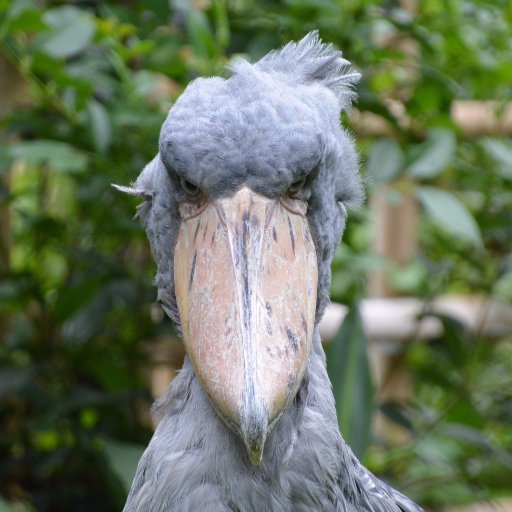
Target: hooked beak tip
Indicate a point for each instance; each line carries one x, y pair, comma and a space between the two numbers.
254, 433
255, 455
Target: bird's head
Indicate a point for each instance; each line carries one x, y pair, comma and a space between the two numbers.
244, 206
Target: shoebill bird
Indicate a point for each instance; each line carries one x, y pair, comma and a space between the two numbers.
244, 206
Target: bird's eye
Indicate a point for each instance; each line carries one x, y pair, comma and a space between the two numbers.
189, 188
297, 186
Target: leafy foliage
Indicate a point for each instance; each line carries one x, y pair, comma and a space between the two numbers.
95, 80
349, 369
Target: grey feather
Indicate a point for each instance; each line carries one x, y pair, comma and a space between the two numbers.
309, 61
195, 463
266, 125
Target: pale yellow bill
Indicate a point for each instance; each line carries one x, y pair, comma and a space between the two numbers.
246, 280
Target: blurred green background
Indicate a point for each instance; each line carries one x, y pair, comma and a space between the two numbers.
84, 88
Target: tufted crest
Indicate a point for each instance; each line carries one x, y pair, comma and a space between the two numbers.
309, 60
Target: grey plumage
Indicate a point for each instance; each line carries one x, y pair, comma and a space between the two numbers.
266, 126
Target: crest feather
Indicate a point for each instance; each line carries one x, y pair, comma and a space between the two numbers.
309, 60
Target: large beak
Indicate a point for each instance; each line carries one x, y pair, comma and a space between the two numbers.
246, 279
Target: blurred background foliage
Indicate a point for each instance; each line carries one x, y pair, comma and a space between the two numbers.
85, 86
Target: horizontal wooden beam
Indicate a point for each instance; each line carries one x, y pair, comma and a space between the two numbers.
473, 118
482, 118
397, 319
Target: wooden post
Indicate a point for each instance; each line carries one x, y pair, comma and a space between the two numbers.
394, 239
394, 218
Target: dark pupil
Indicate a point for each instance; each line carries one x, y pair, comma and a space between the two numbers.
296, 186
188, 187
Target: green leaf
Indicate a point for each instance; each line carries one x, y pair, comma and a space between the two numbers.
101, 128
59, 156
503, 287
465, 414
446, 210
221, 23
501, 152
28, 20
87, 320
436, 154
14, 9
123, 459
385, 160
201, 35
73, 30
72, 298
349, 370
